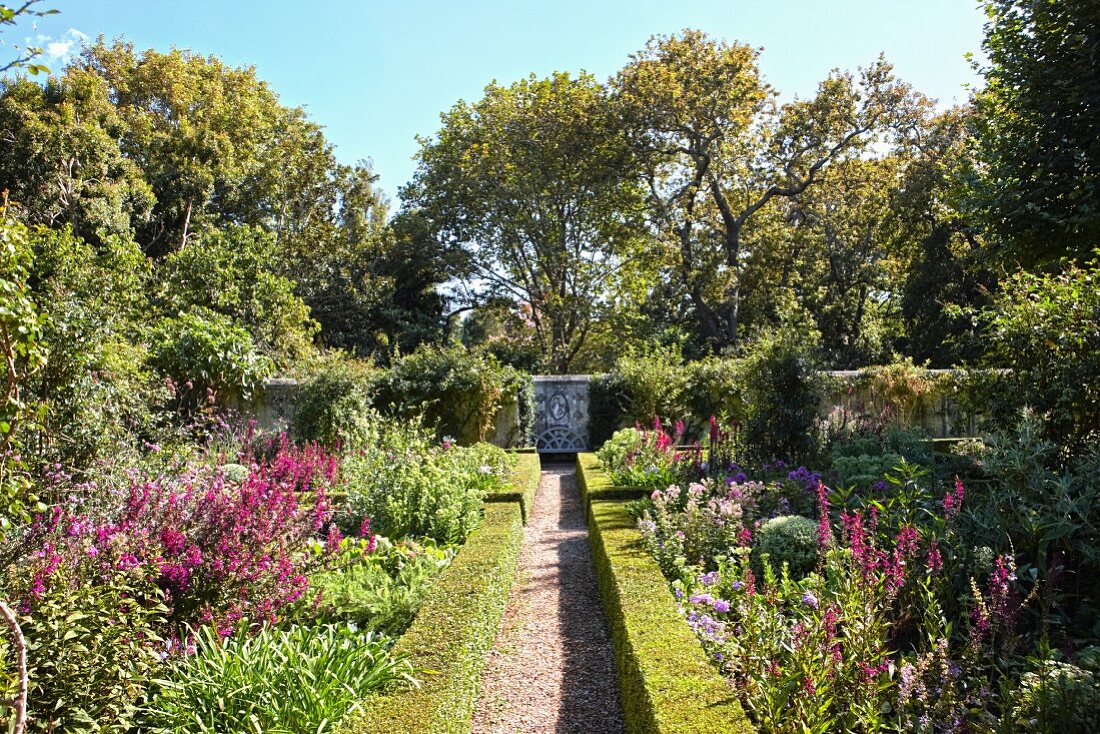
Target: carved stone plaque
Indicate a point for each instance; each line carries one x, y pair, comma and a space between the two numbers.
561, 406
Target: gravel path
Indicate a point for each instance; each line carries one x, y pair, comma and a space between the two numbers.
551, 669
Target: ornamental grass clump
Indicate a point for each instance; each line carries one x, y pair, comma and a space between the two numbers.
304, 679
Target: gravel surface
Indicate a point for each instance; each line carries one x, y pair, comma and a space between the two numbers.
551, 670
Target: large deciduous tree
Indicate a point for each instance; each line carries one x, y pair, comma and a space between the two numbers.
536, 185
720, 152
1039, 129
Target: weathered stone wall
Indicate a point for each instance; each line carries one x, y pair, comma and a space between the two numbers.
275, 403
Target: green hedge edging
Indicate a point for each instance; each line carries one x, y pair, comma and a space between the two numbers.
525, 481
666, 683
454, 630
595, 484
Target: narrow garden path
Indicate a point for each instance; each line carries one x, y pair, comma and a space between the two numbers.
551, 670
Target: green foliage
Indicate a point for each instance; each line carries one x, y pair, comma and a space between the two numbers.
606, 407
376, 590
93, 650
208, 356
1037, 501
788, 539
277, 681
534, 184
457, 392
1037, 134
232, 271
667, 685
702, 118
1058, 697
102, 396
715, 386
409, 485
452, 635
523, 485
334, 406
863, 453
1046, 330
23, 353
782, 399
614, 451
24, 55
645, 459
653, 383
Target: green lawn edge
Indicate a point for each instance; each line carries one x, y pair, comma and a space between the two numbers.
524, 483
667, 684
455, 628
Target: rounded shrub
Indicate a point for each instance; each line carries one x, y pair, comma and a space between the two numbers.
456, 391
334, 406
790, 539
205, 352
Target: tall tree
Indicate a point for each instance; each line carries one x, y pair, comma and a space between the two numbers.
1039, 186
720, 152
536, 185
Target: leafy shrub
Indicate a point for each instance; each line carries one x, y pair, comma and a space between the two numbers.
1038, 500
642, 457
788, 539
305, 679
715, 387
93, 649
1046, 330
782, 398
379, 588
1059, 697
334, 407
653, 383
455, 391
864, 451
232, 272
407, 484
606, 407
208, 355
101, 396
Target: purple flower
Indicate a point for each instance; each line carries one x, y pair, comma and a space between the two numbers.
809, 600
721, 606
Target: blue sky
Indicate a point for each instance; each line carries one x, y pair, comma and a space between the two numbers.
378, 73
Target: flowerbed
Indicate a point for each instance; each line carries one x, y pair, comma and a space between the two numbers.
224, 576
876, 607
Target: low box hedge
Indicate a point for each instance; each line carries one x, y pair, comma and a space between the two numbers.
594, 482
667, 684
453, 633
525, 480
